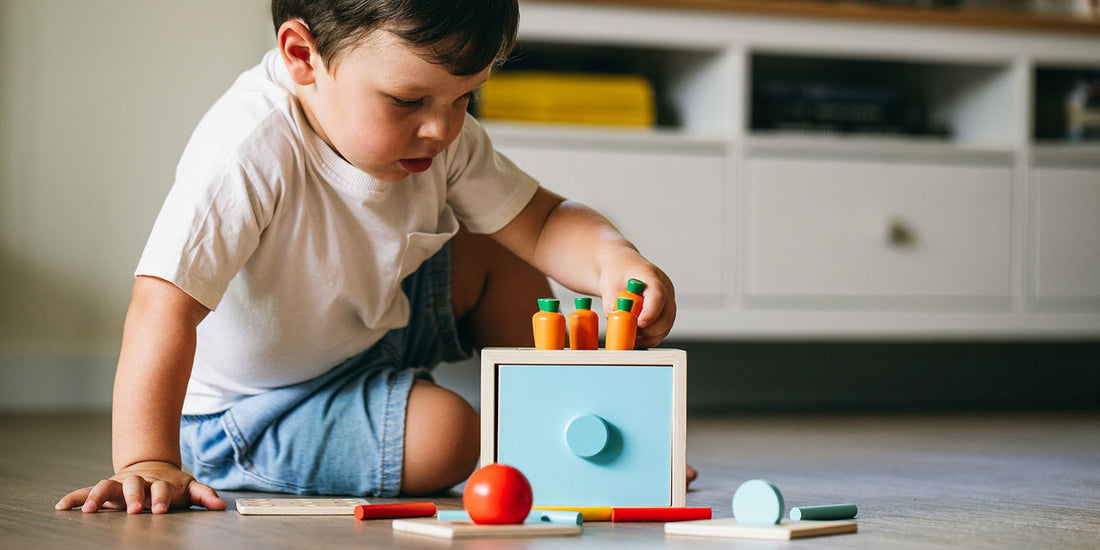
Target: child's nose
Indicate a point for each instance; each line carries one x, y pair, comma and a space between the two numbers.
435, 128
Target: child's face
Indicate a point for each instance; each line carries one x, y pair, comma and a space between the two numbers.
387, 110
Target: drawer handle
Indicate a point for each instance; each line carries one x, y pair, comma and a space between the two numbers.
587, 435
900, 234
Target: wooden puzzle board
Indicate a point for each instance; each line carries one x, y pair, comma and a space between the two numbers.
298, 506
787, 529
469, 530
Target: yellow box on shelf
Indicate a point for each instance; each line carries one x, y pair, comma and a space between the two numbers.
569, 98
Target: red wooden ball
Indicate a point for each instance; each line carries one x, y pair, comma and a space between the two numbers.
497, 494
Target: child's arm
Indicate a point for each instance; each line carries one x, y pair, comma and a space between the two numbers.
158, 348
580, 249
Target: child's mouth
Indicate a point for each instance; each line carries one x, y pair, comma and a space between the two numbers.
416, 165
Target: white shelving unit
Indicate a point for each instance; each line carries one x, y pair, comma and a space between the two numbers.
972, 229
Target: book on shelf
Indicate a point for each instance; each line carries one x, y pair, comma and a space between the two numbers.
820, 106
568, 98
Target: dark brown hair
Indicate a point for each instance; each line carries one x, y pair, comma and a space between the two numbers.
465, 36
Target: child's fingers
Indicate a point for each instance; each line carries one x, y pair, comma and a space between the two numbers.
653, 334
651, 313
205, 496
658, 322
160, 497
649, 340
103, 492
75, 498
133, 490
653, 303
660, 303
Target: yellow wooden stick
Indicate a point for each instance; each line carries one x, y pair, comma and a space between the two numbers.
589, 513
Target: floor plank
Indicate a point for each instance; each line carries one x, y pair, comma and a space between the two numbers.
920, 481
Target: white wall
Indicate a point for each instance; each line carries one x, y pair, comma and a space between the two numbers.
97, 100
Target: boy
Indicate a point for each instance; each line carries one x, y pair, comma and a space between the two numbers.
302, 269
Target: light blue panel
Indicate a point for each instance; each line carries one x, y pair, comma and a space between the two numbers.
537, 403
560, 517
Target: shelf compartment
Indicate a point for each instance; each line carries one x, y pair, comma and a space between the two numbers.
1067, 105
953, 102
691, 86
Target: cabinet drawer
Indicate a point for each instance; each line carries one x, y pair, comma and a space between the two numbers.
825, 229
1066, 236
668, 203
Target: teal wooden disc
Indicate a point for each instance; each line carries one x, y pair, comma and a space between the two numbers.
757, 502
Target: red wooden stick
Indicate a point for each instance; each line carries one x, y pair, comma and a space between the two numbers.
657, 513
399, 510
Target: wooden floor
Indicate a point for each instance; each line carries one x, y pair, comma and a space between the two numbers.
938, 481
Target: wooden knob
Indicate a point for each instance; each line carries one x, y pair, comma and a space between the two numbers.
587, 435
900, 234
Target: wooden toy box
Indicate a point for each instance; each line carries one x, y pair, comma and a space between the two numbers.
588, 428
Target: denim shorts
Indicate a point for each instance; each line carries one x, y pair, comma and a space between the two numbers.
343, 432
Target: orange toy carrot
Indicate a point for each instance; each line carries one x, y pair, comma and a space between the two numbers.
584, 326
634, 289
548, 325
622, 326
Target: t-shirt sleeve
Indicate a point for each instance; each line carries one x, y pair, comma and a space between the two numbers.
485, 188
208, 227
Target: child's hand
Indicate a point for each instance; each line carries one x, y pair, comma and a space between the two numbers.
583, 251
658, 300
154, 485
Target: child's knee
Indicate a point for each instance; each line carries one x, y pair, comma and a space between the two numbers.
483, 270
442, 440
493, 292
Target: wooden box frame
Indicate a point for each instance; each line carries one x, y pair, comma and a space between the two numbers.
676, 359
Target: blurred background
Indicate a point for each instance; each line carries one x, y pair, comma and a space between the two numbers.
97, 100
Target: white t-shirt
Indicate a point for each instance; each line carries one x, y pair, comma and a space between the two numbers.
299, 254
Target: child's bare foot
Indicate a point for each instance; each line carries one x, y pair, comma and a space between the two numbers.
691, 474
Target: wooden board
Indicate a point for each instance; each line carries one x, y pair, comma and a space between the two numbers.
298, 506
786, 530
470, 530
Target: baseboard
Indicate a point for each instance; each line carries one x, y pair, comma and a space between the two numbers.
725, 377
903, 376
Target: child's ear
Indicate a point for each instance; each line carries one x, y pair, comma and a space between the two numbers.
299, 52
